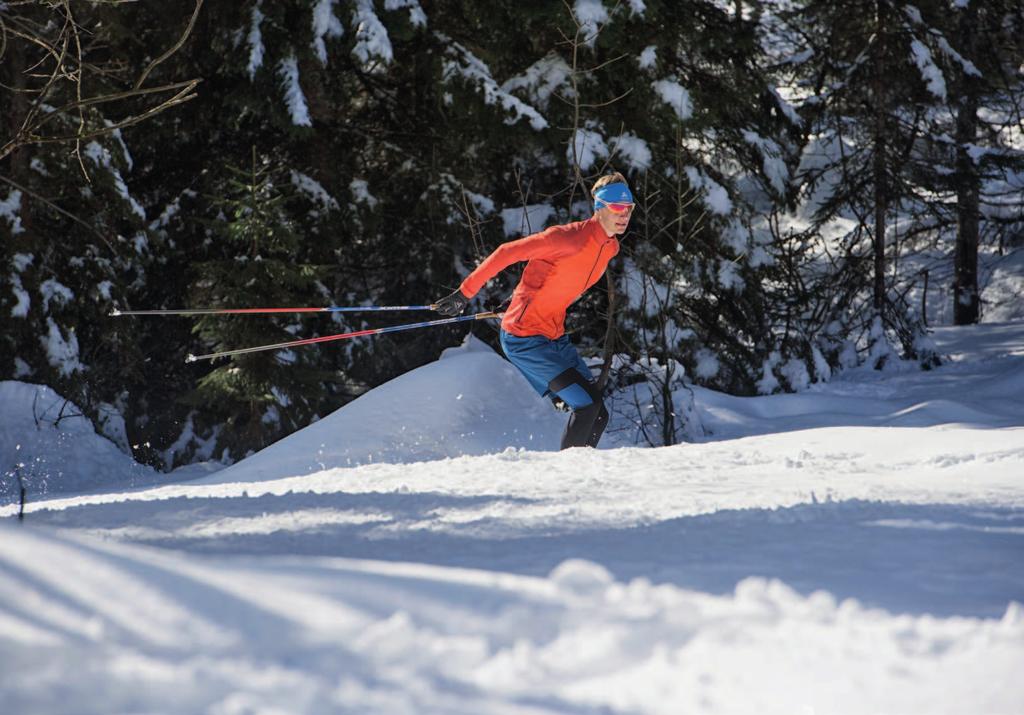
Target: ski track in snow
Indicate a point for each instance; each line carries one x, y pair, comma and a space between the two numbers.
857, 548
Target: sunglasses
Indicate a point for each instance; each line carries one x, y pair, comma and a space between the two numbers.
619, 208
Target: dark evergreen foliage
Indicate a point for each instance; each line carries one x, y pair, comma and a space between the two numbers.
396, 144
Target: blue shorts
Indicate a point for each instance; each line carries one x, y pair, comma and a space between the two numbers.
541, 360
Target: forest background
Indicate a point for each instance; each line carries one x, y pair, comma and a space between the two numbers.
816, 182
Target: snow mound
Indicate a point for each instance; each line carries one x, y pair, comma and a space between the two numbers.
468, 402
56, 446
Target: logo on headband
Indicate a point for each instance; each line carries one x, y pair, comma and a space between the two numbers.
617, 193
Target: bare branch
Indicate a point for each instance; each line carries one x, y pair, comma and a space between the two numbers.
174, 48
66, 46
59, 210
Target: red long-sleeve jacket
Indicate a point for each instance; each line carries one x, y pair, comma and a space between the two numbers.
563, 262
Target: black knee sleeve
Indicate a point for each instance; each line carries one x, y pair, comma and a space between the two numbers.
586, 424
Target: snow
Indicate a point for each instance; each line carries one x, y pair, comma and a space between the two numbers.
24, 300
1000, 295
589, 16
768, 382
314, 190
675, 96
541, 79
101, 157
372, 41
716, 198
637, 8
586, 148
416, 14
648, 58
774, 167
787, 109
969, 67
9, 209
708, 364
361, 192
460, 62
53, 291
931, 74
524, 220
852, 548
325, 24
61, 351
295, 100
634, 150
255, 40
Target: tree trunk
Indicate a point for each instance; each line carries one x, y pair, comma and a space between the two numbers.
18, 108
879, 170
609, 335
966, 303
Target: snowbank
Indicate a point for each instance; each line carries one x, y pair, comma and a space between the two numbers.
57, 447
470, 401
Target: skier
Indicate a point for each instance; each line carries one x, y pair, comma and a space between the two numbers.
563, 261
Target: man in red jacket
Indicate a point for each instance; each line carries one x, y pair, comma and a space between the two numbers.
562, 262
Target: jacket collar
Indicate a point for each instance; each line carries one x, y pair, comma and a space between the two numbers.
597, 232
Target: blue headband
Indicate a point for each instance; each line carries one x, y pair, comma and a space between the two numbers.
612, 194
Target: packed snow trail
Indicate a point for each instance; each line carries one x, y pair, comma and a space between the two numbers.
93, 626
898, 518
857, 548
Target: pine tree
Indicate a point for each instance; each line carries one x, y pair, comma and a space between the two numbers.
868, 91
254, 248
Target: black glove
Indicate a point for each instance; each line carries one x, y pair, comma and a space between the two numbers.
452, 305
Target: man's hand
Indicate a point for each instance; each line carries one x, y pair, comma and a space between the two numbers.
452, 305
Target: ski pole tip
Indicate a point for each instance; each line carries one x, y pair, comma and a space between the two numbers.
115, 312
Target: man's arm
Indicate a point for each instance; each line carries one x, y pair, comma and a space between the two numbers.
548, 244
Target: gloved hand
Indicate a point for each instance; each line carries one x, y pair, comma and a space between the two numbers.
452, 305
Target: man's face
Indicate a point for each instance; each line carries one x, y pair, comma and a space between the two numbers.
614, 219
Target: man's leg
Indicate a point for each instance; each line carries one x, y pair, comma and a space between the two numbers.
546, 365
589, 416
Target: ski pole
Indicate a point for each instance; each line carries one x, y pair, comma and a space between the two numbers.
251, 311
343, 336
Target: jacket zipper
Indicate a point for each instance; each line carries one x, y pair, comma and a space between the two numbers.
599, 252
523, 311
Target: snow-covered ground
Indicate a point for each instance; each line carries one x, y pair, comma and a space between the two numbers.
855, 548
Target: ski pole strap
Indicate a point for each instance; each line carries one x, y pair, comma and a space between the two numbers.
252, 311
343, 336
